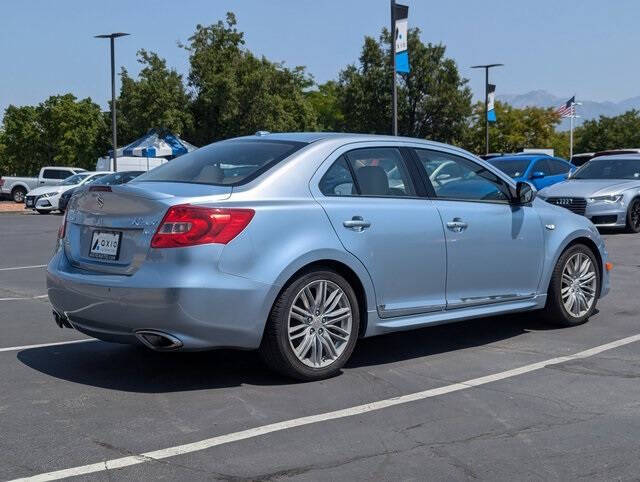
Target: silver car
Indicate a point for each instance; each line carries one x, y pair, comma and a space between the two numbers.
300, 244
606, 190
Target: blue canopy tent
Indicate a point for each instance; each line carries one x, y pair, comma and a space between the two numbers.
156, 146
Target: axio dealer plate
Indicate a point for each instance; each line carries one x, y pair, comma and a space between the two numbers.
105, 245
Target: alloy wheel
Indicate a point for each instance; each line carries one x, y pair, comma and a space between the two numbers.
578, 287
320, 323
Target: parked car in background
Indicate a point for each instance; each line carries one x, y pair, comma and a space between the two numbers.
328, 238
580, 159
540, 170
45, 199
107, 180
606, 190
17, 187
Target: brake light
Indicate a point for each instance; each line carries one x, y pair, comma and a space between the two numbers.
63, 226
186, 225
1, 181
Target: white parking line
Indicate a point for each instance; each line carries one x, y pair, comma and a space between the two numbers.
298, 422
18, 298
23, 267
43, 345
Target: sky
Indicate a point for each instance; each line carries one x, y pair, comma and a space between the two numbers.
584, 47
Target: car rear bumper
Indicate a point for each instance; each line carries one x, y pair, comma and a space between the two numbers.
188, 304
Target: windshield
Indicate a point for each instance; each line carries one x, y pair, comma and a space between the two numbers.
223, 163
511, 167
75, 179
609, 169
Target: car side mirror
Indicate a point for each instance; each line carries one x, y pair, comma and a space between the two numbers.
537, 175
525, 193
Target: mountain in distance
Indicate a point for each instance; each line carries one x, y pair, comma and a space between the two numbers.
587, 111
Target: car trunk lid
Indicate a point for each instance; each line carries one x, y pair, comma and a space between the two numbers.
109, 230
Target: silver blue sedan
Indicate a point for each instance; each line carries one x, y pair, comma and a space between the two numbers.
300, 244
606, 190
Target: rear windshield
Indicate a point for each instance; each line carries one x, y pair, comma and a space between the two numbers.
223, 163
512, 168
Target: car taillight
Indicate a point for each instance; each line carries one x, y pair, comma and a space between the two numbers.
1, 182
63, 226
186, 225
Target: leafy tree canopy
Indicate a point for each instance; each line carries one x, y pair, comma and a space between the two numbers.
157, 99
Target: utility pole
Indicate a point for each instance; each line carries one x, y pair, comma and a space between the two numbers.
486, 68
112, 37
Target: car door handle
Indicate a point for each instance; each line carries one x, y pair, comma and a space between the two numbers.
356, 223
457, 225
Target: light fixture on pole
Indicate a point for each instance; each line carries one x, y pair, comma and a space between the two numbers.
486, 68
112, 37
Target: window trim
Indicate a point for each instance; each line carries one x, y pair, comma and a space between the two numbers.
434, 197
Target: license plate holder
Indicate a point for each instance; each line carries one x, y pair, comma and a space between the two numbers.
105, 245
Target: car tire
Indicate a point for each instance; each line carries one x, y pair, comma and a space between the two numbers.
43, 211
633, 216
18, 195
313, 326
574, 287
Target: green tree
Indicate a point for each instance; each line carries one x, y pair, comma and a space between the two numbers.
60, 131
237, 93
157, 99
609, 133
433, 99
514, 130
325, 101
21, 138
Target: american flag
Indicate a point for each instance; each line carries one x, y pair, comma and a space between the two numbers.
568, 108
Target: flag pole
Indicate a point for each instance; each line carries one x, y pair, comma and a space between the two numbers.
571, 136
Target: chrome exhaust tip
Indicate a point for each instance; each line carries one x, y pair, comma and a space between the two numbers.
158, 341
61, 320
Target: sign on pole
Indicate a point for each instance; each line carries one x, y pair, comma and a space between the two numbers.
491, 99
401, 14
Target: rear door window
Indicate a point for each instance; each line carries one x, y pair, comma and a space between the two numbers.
224, 163
338, 180
55, 174
380, 171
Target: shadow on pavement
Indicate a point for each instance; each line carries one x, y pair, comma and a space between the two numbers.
137, 369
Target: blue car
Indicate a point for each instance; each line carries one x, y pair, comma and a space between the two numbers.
540, 170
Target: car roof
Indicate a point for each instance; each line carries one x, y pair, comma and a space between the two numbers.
613, 157
310, 137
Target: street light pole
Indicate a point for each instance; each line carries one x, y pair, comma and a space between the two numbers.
486, 68
112, 37
394, 122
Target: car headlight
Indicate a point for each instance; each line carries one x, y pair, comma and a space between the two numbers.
49, 194
616, 198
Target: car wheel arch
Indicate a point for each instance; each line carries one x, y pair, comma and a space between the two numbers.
361, 287
586, 241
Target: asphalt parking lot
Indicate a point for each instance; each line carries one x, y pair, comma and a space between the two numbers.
490, 398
